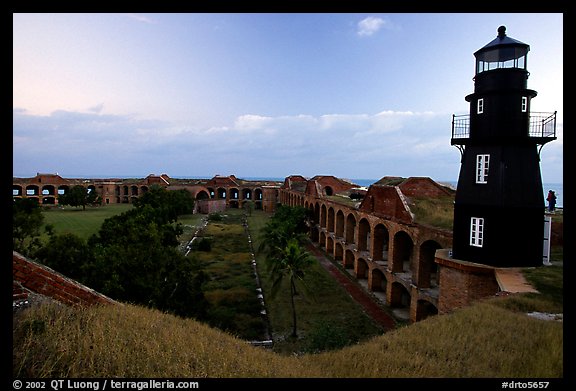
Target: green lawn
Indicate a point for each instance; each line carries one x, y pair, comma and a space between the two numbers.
82, 223
327, 317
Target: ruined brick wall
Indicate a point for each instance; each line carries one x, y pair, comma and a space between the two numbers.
269, 198
384, 201
423, 187
31, 278
210, 206
337, 185
462, 283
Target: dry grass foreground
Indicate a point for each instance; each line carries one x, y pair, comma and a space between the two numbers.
126, 341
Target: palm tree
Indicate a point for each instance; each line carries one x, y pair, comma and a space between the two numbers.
290, 263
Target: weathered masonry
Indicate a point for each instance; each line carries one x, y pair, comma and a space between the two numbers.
211, 195
376, 236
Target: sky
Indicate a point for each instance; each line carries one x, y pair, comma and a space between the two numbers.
193, 95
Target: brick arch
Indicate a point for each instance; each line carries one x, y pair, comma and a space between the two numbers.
339, 252
381, 241
364, 235
246, 194
48, 190
322, 239
349, 259
427, 271
339, 231
17, 190
377, 280
258, 194
330, 220
329, 245
398, 295
403, 247
316, 212
202, 194
424, 309
32, 190
233, 193
323, 215
350, 228
361, 269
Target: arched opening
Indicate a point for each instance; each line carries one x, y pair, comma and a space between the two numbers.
32, 190
403, 247
399, 300
338, 252
364, 235
329, 245
323, 216
202, 195
378, 281
340, 224
348, 259
350, 229
427, 267
361, 269
330, 224
381, 240
424, 309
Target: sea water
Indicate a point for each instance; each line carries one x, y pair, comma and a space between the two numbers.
557, 187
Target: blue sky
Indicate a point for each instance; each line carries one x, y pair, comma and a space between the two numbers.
355, 95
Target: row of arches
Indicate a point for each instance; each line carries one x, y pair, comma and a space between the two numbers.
46, 194
232, 193
114, 193
395, 261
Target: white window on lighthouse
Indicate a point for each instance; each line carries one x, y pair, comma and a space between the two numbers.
476, 231
524, 104
482, 164
480, 106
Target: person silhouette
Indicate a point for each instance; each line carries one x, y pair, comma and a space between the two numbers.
551, 200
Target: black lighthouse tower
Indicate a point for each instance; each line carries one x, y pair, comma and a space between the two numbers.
499, 207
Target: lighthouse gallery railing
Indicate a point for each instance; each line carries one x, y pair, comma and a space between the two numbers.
542, 125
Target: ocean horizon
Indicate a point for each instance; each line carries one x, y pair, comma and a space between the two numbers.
557, 187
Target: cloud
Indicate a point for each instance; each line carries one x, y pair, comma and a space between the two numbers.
336, 144
402, 143
96, 109
370, 25
141, 18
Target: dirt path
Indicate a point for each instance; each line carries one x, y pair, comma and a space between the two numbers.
372, 308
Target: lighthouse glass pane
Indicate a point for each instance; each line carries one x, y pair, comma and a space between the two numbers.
521, 62
491, 63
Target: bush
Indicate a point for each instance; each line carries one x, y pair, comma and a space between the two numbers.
327, 336
202, 245
215, 217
